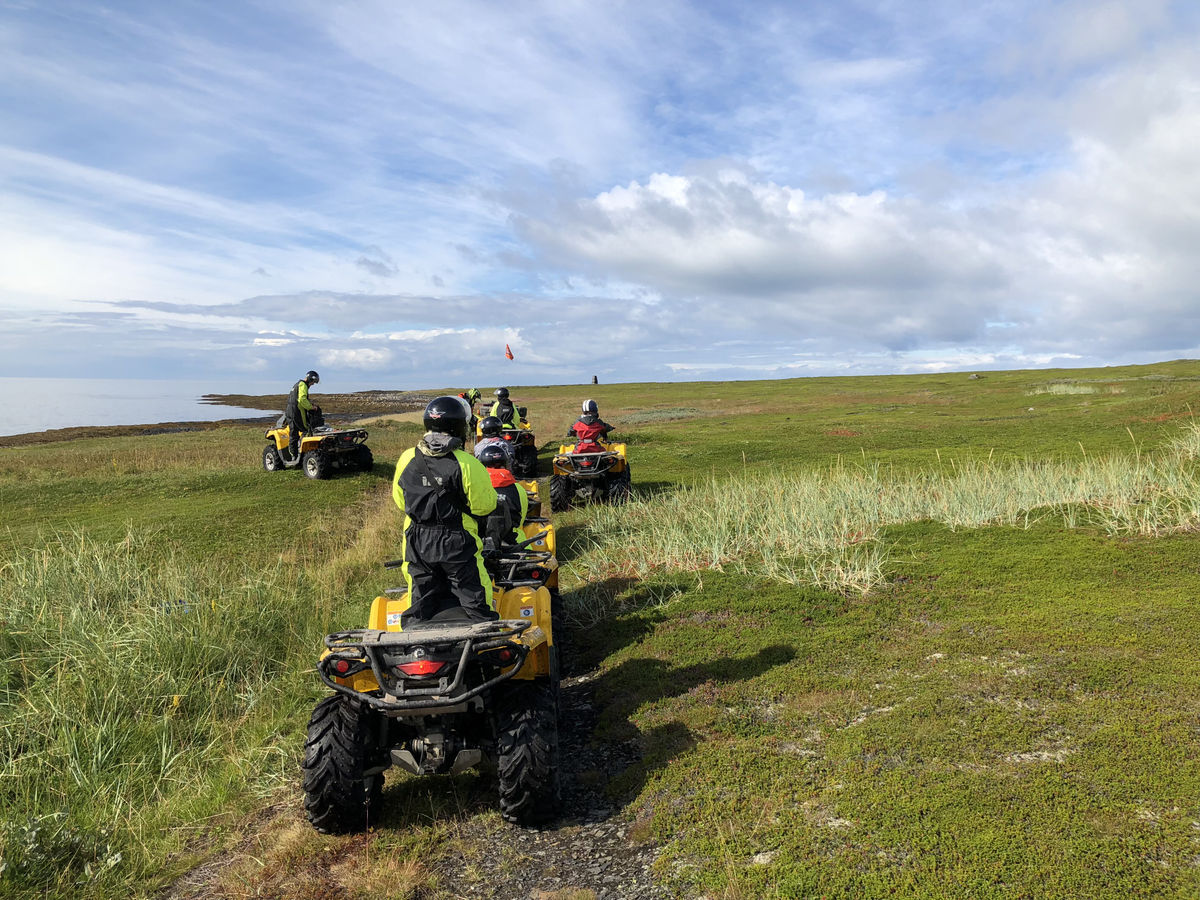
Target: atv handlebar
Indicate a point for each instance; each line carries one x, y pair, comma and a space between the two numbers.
397, 563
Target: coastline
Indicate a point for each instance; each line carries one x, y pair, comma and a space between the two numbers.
341, 406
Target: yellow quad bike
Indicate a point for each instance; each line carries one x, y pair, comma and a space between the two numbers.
441, 697
585, 477
322, 451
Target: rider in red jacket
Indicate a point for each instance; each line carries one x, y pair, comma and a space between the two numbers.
590, 429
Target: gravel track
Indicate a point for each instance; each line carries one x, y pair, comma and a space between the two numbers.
591, 847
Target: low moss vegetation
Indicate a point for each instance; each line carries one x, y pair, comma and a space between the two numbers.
921, 636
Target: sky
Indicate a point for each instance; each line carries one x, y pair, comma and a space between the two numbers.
391, 192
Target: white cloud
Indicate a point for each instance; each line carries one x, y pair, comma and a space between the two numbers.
630, 190
355, 358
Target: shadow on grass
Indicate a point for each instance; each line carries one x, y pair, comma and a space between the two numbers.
647, 489
569, 540
631, 756
584, 644
642, 682
410, 800
605, 759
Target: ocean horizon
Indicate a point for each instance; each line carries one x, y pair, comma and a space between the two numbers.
41, 404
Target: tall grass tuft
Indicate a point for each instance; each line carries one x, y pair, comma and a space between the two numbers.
139, 690
826, 528
1062, 387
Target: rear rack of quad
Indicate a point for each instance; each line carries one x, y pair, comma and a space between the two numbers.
341, 439
595, 463
356, 651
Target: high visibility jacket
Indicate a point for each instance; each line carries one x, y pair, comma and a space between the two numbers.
506, 412
446, 489
444, 493
299, 405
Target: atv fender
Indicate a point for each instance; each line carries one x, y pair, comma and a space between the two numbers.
530, 604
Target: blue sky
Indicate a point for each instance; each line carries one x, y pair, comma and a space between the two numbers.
390, 192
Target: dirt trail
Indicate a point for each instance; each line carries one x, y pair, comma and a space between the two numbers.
593, 847
595, 850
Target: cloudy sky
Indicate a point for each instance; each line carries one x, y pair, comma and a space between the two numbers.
391, 191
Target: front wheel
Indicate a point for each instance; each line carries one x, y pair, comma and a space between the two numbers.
560, 493
272, 462
315, 464
527, 751
340, 797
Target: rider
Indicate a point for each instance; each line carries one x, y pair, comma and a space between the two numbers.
511, 496
471, 395
298, 408
489, 430
504, 410
590, 429
444, 492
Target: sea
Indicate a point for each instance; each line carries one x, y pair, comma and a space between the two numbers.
39, 404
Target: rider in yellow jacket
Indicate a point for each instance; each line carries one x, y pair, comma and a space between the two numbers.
444, 492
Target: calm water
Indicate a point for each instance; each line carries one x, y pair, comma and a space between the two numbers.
36, 404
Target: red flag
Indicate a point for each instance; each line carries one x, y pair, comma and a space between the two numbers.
507, 352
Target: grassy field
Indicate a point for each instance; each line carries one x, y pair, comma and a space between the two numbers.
928, 636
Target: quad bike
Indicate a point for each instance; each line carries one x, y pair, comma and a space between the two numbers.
523, 441
441, 697
322, 450
592, 470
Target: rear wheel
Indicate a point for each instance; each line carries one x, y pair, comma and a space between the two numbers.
560, 493
315, 464
271, 459
339, 796
622, 488
527, 752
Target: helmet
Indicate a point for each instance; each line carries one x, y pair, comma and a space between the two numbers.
447, 415
489, 426
312, 377
590, 408
494, 457
502, 393
466, 405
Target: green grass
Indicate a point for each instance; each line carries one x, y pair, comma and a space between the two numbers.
1004, 706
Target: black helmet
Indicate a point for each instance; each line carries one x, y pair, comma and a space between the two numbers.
489, 426
312, 377
447, 415
494, 457
590, 408
502, 393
